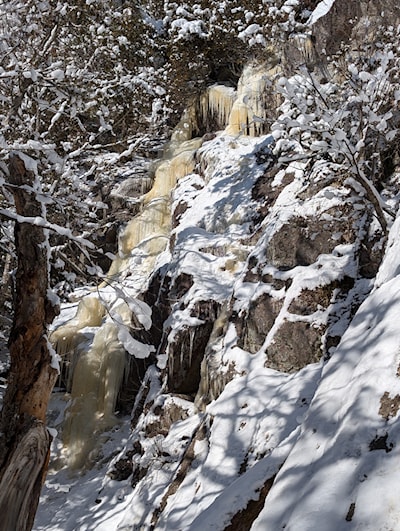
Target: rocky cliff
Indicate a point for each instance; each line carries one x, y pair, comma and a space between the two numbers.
266, 394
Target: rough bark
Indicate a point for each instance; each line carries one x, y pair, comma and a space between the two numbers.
22, 480
25, 442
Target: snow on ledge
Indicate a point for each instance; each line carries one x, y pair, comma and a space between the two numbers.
320, 11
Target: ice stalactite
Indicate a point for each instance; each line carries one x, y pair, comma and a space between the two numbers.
215, 107
66, 339
223, 108
249, 113
97, 378
235, 111
208, 113
93, 361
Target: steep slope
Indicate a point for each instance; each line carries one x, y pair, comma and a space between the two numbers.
266, 318
346, 454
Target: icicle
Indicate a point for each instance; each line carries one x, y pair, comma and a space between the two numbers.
97, 378
215, 107
305, 45
208, 114
67, 338
192, 333
249, 112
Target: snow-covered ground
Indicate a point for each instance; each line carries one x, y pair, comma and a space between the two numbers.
344, 467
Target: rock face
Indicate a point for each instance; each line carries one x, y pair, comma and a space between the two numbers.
279, 280
186, 350
354, 22
253, 327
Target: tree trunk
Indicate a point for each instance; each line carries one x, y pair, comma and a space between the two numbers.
25, 442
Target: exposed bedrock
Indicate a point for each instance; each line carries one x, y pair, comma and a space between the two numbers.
186, 350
